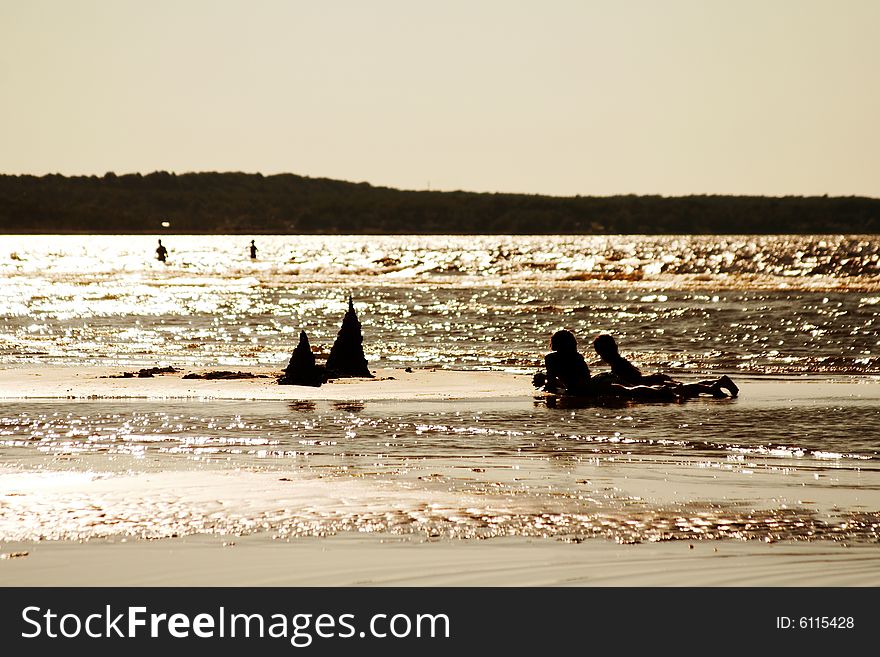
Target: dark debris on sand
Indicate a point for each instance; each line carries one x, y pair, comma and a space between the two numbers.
145, 373
150, 372
225, 374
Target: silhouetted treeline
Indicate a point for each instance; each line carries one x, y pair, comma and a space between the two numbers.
255, 204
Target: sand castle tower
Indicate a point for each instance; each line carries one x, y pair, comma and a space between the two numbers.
347, 354
302, 370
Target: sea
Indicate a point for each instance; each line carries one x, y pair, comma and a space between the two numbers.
793, 319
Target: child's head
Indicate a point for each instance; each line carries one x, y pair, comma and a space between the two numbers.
563, 340
605, 346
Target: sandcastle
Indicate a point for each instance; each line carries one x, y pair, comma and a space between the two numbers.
346, 359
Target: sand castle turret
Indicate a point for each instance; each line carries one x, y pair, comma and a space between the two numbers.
302, 370
347, 354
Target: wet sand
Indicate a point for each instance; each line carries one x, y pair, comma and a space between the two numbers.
209, 554
94, 383
63, 382
382, 560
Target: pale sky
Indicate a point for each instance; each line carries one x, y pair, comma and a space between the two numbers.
554, 97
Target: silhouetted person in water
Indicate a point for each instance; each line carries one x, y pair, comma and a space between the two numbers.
253, 249
567, 370
568, 374
624, 372
627, 374
161, 252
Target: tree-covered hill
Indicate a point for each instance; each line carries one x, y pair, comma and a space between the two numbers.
286, 203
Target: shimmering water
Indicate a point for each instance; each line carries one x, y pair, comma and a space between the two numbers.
466, 469
768, 465
759, 304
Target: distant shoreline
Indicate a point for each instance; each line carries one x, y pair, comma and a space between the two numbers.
252, 204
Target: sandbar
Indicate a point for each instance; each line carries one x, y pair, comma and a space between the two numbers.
429, 384
382, 560
63, 382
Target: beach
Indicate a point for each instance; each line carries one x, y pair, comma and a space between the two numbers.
387, 384
625, 512
358, 560
441, 328
144, 439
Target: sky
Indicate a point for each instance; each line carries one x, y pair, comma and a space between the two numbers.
561, 97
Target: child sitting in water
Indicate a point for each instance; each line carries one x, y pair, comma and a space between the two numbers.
627, 374
567, 370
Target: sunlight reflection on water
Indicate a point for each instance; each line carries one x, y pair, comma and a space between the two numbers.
81, 469
784, 304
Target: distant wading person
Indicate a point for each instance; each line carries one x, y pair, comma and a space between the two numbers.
161, 252
253, 249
